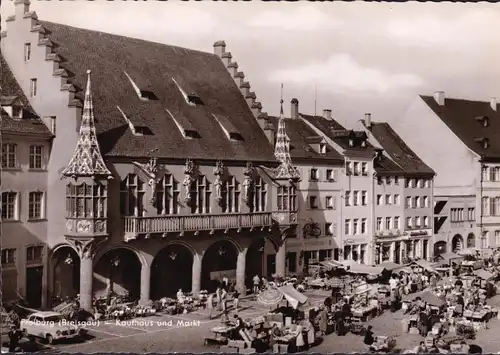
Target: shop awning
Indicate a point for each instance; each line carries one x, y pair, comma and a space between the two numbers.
294, 297
469, 251
446, 258
390, 266
355, 268
424, 264
483, 274
332, 264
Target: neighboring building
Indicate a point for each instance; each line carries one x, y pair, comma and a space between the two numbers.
160, 168
357, 184
319, 193
403, 197
25, 144
459, 139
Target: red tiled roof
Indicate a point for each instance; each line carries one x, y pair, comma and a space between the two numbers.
301, 136
461, 118
152, 66
398, 150
31, 123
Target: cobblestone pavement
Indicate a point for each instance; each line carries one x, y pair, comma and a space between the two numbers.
185, 333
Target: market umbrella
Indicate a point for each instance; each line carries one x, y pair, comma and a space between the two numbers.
468, 251
270, 296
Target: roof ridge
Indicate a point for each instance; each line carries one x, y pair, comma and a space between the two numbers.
456, 99
122, 36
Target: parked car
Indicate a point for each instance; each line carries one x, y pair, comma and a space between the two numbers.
49, 326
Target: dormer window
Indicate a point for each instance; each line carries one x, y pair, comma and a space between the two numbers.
27, 51
228, 128
17, 112
136, 130
483, 141
185, 127
192, 99
322, 148
144, 95
483, 120
363, 143
351, 142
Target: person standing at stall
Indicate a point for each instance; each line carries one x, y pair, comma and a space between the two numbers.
210, 305
256, 283
223, 300
236, 300
218, 294
299, 340
323, 320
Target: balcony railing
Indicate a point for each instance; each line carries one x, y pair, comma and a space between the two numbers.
175, 223
86, 226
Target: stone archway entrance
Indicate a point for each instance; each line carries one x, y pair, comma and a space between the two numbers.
119, 271
471, 240
65, 274
256, 259
457, 243
171, 270
439, 248
219, 259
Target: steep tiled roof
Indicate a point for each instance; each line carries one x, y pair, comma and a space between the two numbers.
335, 131
461, 117
10, 89
385, 166
159, 70
397, 149
301, 136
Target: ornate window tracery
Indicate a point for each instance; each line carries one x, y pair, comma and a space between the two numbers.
287, 198
132, 191
201, 191
259, 196
86, 201
232, 195
167, 195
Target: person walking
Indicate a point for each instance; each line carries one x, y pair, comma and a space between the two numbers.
210, 305
369, 338
223, 300
236, 300
14, 335
256, 283
323, 320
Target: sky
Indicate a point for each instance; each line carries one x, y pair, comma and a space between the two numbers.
350, 57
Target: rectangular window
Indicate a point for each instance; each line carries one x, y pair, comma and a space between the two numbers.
329, 202
313, 175
35, 205
322, 148
484, 206
396, 180
388, 200
379, 180
347, 227
33, 87
231, 192
364, 169
362, 253
132, 191
426, 201
417, 222
313, 202
409, 223
426, 222
9, 206
167, 195
379, 223
388, 180
379, 200
407, 182
408, 202
363, 198
413, 183
416, 202
396, 223
493, 210
484, 173
363, 225
348, 169
356, 169
8, 257
347, 198
388, 223
329, 175
492, 174
260, 197
497, 238
328, 229
34, 254
9, 155
397, 200
471, 214
27, 51
355, 223
36, 157
355, 196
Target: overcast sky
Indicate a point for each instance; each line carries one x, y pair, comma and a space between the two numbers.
360, 57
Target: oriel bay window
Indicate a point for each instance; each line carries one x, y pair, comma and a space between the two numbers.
132, 192
201, 191
86, 201
167, 195
232, 195
259, 196
287, 198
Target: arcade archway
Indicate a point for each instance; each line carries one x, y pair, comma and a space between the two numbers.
172, 269
219, 259
118, 271
439, 248
471, 240
256, 259
65, 280
457, 243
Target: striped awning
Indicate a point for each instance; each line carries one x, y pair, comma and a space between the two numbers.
270, 297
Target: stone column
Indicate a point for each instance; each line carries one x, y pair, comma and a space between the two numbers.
86, 278
381, 254
145, 283
240, 272
391, 254
196, 276
359, 253
281, 260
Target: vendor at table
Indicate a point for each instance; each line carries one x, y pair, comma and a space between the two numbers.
458, 284
274, 332
180, 296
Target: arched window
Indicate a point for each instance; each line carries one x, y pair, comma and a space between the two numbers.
259, 196
132, 196
201, 191
231, 195
167, 195
86, 201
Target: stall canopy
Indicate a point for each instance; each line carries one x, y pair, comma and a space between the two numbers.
390, 266
294, 297
483, 274
270, 296
427, 297
355, 268
446, 258
424, 264
469, 251
332, 264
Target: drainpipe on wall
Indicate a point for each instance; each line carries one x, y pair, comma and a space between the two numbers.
430, 249
371, 242
481, 227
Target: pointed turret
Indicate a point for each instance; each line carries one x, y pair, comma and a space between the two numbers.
87, 160
282, 151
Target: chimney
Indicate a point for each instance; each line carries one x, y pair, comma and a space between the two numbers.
22, 7
493, 103
368, 120
219, 47
294, 112
327, 113
439, 97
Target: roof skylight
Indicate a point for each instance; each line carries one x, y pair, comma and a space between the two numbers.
228, 128
144, 95
185, 127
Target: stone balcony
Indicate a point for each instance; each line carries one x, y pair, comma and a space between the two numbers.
135, 226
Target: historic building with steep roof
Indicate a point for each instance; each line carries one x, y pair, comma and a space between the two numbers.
158, 160
466, 161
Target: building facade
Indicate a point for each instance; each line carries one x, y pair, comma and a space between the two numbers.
466, 166
167, 174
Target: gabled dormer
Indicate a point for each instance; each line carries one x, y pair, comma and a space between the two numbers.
142, 93
318, 144
13, 106
190, 96
136, 130
483, 120
183, 125
228, 128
